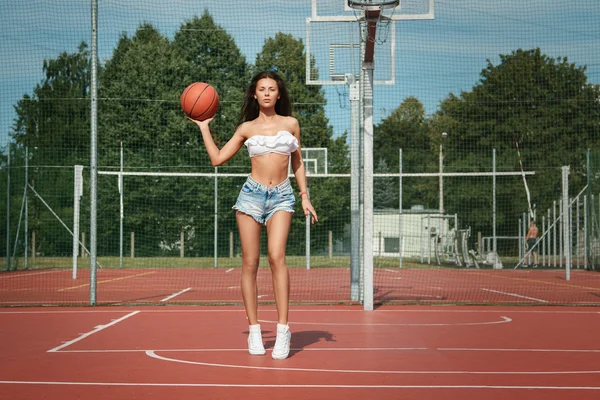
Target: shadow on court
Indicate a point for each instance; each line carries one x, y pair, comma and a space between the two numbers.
300, 339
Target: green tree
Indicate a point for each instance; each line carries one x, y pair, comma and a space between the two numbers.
142, 84
407, 128
138, 108
543, 104
212, 56
56, 115
385, 189
53, 123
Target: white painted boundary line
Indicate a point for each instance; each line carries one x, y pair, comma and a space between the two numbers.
24, 274
328, 309
98, 329
233, 385
514, 295
152, 353
336, 349
245, 350
503, 321
523, 350
176, 294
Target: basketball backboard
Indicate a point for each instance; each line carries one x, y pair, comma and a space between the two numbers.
315, 161
339, 10
333, 40
333, 51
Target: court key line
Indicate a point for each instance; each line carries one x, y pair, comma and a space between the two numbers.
522, 350
503, 321
152, 353
27, 274
245, 350
514, 295
335, 349
570, 285
98, 329
176, 294
299, 386
106, 281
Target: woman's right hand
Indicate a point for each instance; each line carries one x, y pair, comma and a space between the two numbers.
201, 124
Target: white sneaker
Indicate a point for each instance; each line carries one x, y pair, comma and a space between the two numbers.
255, 343
282, 343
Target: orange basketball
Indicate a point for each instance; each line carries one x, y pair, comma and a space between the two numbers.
200, 101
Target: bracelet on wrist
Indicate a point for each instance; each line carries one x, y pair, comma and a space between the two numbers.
303, 193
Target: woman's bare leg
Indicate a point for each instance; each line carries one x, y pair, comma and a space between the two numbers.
250, 239
278, 228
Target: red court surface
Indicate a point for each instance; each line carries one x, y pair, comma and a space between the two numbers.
338, 352
314, 286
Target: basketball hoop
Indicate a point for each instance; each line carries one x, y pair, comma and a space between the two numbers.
373, 5
373, 15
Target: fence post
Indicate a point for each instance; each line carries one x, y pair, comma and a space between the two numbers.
8, 207
578, 237
83, 252
542, 254
520, 240
182, 247
585, 230
33, 245
554, 220
132, 244
77, 193
307, 226
565, 221
561, 231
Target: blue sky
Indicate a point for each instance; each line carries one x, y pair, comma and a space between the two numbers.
433, 58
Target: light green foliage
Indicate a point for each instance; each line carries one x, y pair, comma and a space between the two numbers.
543, 103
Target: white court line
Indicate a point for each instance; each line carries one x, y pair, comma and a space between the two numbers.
98, 329
343, 349
176, 294
152, 353
245, 350
298, 386
514, 295
328, 309
524, 350
504, 321
25, 274
229, 270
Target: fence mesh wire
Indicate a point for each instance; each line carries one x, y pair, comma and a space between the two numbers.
509, 88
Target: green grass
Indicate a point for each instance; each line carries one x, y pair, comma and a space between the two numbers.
207, 262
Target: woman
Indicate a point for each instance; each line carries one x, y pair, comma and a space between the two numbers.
271, 136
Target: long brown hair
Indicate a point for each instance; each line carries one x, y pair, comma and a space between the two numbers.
250, 109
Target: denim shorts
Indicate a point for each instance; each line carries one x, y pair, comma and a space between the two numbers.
261, 202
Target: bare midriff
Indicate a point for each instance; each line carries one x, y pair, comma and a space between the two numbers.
270, 169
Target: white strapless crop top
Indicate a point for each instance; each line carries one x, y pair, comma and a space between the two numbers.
282, 143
